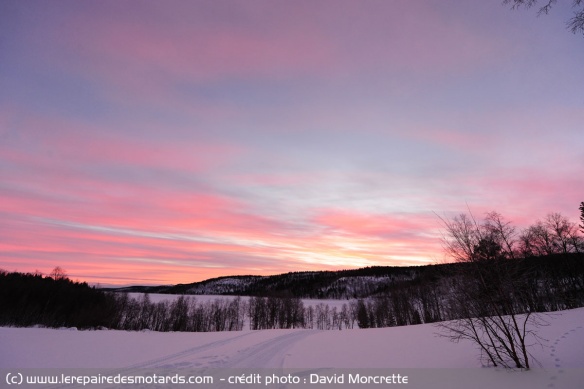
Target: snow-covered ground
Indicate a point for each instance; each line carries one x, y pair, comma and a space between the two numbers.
437, 362
157, 297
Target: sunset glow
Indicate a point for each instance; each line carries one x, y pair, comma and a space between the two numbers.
146, 142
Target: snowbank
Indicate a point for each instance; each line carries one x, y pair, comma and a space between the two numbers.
412, 347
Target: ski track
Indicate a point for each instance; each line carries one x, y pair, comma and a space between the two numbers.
271, 353
163, 362
183, 359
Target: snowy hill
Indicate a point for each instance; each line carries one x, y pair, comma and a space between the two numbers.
366, 282
341, 284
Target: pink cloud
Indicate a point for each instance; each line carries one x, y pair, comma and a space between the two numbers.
189, 205
284, 179
153, 62
382, 238
364, 224
210, 238
66, 139
151, 56
453, 138
198, 50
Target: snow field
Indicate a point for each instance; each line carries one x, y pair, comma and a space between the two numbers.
431, 361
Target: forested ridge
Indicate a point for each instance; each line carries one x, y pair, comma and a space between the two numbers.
342, 284
405, 295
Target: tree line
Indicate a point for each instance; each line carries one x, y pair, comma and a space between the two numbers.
339, 284
554, 283
56, 301
497, 271
505, 279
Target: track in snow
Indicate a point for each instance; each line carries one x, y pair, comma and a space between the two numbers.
271, 353
179, 358
249, 350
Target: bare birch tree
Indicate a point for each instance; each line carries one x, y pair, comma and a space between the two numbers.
489, 301
576, 22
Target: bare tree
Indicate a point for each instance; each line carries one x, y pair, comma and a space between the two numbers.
555, 235
542, 241
346, 316
58, 273
488, 301
462, 236
502, 232
309, 317
526, 243
582, 216
363, 318
323, 316
575, 24
562, 231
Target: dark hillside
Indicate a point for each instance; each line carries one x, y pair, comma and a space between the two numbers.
373, 281
379, 297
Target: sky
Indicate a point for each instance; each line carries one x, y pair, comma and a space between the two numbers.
164, 142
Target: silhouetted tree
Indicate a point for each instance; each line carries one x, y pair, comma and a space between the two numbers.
346, 316
562, 231
258, 313
309, 317
582, 216
501, 233
323, 319
489, 287
575, 24
363, 318
179, 314
58, 274
487, 249
555, 235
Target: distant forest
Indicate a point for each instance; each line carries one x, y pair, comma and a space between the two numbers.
539, 270
419, 295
